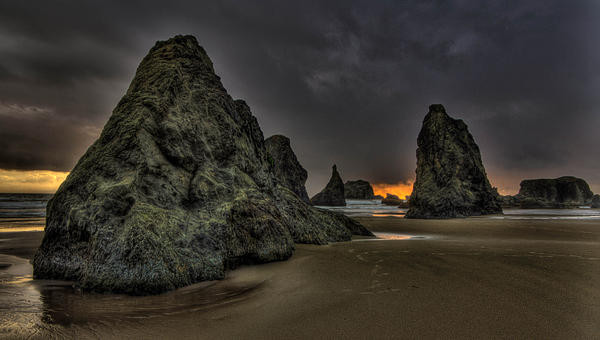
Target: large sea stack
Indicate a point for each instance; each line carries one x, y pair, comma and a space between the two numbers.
562, 192
333, 193
359, 189
285, 165
177, 189
451, 180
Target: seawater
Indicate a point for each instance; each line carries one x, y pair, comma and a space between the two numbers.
23, 212
374, 208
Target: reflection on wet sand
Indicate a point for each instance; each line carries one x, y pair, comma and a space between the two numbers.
35, 307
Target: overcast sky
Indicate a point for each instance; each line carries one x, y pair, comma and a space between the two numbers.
349, 82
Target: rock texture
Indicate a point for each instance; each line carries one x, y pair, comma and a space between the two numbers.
391, 199
333, 194
176, 190
562, 192
451, 180
285, 165
358, 189
595, 202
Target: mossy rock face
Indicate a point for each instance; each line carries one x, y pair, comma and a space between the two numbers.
333, 193
451, 180
288, 171
177, 189
595, 202
359, 189
562, 192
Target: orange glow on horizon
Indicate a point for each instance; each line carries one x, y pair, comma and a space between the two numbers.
400, 189
31, 181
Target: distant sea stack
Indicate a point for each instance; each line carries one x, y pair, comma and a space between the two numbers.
595, 202
177, 189
451, 180
285, 165
562, 192
359, 189
391, 199
333, 194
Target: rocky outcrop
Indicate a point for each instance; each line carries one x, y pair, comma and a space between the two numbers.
562, 192
451, 180
359, 189
378, 197
177, 189
391, 199
333, 193
595, 202
285, 165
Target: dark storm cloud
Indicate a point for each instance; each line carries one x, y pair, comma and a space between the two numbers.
349, 82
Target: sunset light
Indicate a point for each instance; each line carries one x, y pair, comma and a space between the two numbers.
31, 181
400, 189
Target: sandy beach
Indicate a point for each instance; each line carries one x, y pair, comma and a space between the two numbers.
463, 278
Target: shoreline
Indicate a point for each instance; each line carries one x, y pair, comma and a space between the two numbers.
458, 278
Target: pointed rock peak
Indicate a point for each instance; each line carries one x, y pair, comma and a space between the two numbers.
451, 180
177, 189
288, 171
333, 194
437, 108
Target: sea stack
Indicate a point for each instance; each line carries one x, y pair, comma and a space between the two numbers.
359, 189
176, 190
595, 202
285, 165
562, 192
451, 180
333, 194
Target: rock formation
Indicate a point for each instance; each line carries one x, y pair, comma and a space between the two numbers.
333, 194
451, 180
391, 199
176, 190
359, 189
562, 192
595, 202
378, 197
285, 165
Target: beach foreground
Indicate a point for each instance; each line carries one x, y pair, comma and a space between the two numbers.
463, 278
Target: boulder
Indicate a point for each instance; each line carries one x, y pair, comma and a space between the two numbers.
562, 192
451, 180
333, 193
285, 165
595, 202
391, 199
358, 189
177, 189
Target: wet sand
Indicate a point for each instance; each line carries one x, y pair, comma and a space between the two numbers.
465, 278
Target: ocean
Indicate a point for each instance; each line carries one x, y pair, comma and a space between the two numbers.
23, 212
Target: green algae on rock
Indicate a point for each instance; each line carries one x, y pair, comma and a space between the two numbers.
451, 180
176, 190
288, 171
333, 193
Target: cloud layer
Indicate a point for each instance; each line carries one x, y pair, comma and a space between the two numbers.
349, 82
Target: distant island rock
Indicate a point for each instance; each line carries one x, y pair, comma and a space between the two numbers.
177, 189
333, 193
562, 192
391, 199
378, 197
359, 189
595, 202
285, 165
451, 180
